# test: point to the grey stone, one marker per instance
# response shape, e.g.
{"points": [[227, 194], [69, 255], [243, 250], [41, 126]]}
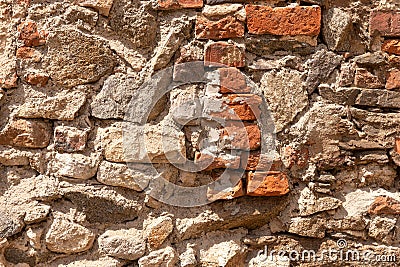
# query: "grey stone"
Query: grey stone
{"points": [[310, 227], [310, 204], [124, 244], [379, 98], [76, 166], [337, 25], [341, 95]]}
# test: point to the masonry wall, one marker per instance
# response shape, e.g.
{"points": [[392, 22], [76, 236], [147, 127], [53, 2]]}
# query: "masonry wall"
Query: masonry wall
{"points": [[190, 133]]}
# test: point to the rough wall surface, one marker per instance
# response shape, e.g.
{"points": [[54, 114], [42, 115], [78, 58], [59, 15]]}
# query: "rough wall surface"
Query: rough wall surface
{"points": [[108, 108]]}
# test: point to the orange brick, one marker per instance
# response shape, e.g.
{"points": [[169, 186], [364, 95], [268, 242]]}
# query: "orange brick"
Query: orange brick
{"points": [[222, 54], [258, 161], [384, 205], [232, 81], [393, 80], [37, 79], [227, 27], [241, 136], [391, 46], [243, 107], [284, 20], [29, 34], [397, 145], [216, 162], [267, 184]]}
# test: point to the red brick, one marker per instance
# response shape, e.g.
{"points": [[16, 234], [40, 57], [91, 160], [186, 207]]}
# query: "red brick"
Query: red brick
{"points": [[29, 34], [37, 79], [245, 136], [232, 81], [391, 46], [384, 205], [26, 133], [296, 157], [10, 81], [179, 4], [25, 52], [267, 184], [209, 162], [393, 79], [227, 27], [397, 145], [284, 20], [243, 107], [366, 79], [387, 23], [261, 162], [222, 54]]}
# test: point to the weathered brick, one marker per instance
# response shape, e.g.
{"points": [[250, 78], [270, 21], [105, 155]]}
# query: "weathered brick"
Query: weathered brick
{"points": [[69, 139], [29, 34], [243, 107], [25, 52], [261, 162], [236, 135], [387, 23], [365, 79], [384, 205], [222, 54], [391, 46], [38, 79], [284, 20], [179, 4], [26, 133], [227, 27], [267, 184], [393, 79], [296, 157], [10, 81], [209, 162], [232, 81], [397, 145]]}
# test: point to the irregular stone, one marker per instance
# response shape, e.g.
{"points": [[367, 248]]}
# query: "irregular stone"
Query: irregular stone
{"points": [[26, 133], [391, 46], [228, 186], [267, 184], [381, 229], [365, 79], [309, 227], [74, 58], [178, 4], [385, 22], [158, 230], [285, 95], [232, 81], [132, 176], [10, 224], [269, 261], [69, 139], [9, 81], [185, 105], [227, 27], [384, 205], [223, 251], [76, 166], [68, 237], [310, 204], [37, 79], [35, 235], [378, 98], [291, 20], [371, 59], [320, 66], [11, 156], [374, 156], [25, 52], [337, 25], [188, 257], [100, 262], [103, 204], [37, 214], [222, 54], [135, 20], [103, 6], [346, 76], [63, 106], [124, 244], [217, 2], [340, 95], [29, 35], [167, 257], [393, 80]]}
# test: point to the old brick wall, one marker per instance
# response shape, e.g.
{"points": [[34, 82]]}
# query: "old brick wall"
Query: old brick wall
{"points": [[190, 133]]}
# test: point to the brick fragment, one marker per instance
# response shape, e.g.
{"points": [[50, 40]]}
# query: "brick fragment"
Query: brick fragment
{"points": [[384, 205], [25, 52], [9, 81], [210, 162], [29, 34], [222, 54], [245, 136], [391, 46], [365, 79], [69, 139], [232, 81], [37, 79], [397, 145], [261, 162], [267, 184], [393, 79], [179, 4], [387, 23], [227, 27], [102, 6], [26, 133], [292, 21]]}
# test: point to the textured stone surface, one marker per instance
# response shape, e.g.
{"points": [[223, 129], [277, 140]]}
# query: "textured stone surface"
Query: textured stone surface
{"points": [[391, 46], [158, 230], [224, 54], [178, 4], [337, 25], [125, 244], [68, 237], [163, 257], [103, 6], [69, 139], [291, 20], [384, 205], [386, 22], [227, 27], [76, 166]]}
